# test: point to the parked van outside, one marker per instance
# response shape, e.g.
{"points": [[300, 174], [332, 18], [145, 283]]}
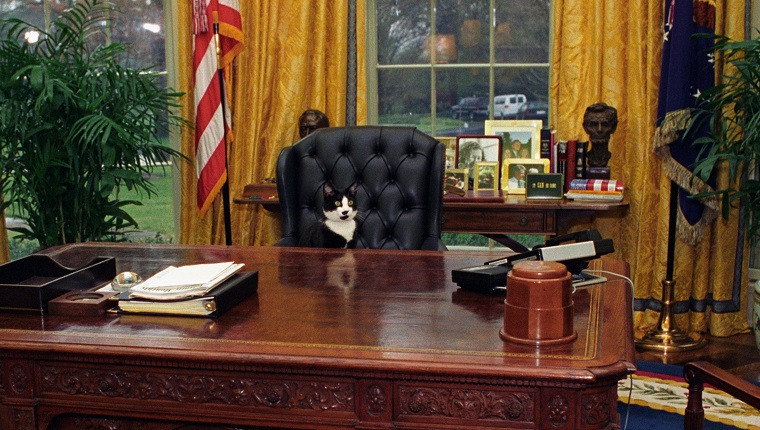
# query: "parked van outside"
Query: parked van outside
{"points": [[506, 106]]}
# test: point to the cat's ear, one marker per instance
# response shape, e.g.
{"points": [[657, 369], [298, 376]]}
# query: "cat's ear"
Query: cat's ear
{"points": [[352, 188], [329, 189]]}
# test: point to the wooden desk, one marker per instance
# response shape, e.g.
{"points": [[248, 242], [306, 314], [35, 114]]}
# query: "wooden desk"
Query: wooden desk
{"points": [[352, 339], [492, 215]]}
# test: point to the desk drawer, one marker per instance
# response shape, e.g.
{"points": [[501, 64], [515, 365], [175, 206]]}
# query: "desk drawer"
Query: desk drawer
{"points": [[499, 221]]}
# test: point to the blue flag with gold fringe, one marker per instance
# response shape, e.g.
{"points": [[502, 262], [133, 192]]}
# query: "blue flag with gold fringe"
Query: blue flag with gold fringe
{"points": [[688, 68]]}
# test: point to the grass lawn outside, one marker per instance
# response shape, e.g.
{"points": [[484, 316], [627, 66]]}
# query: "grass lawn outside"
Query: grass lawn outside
{"points": [[155, 217]]}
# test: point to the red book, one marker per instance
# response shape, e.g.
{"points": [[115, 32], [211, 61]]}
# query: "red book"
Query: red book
{"points": [[571, 158], [597, 185]]}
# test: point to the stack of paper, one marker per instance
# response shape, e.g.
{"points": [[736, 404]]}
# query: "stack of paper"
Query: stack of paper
{"points": [[183, 282]]}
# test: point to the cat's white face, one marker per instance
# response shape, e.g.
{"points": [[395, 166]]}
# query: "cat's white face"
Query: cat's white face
{"points": [[344, 210]]}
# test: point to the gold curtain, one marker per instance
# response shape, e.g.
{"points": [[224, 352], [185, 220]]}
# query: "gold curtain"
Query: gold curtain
{"points": [[295, 58], [617, 61]]}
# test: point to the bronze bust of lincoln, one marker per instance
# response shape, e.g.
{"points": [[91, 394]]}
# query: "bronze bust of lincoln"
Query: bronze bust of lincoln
{"points": [[599, 121]]}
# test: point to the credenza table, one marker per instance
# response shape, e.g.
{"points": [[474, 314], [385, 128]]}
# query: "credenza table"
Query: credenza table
{"points": [[493, 214], [333, 339]]}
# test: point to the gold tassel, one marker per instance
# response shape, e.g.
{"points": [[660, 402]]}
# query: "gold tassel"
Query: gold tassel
{"points": [[666, 134]]}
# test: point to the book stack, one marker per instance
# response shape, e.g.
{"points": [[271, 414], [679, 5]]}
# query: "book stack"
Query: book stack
{"points": [[610, 190]]}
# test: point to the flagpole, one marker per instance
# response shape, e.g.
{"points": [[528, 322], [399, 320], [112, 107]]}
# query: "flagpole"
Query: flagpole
{"points": [[222, 94], [666, 336]]}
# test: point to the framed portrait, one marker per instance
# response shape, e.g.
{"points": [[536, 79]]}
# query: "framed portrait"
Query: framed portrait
{"points": [[514, 172], [486, 176], [457, 177], [520, 138], [451, 150], [472, 149]]}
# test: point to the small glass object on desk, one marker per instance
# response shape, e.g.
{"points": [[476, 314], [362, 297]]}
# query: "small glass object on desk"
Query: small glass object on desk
{"points": [[124, 281]]}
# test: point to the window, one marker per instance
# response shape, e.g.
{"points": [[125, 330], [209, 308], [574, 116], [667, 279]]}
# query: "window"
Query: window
{"points": [[440, 64], [140, 25]]}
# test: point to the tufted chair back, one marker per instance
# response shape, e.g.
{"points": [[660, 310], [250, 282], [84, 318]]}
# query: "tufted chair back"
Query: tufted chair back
{"points": [[399, 171]]}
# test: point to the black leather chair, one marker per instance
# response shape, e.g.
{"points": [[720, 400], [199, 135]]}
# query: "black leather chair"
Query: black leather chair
{"points": [[400, 175]]}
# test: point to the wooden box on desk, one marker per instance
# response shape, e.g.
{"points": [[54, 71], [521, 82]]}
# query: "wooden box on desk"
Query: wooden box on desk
{"points": [[261, 191], [27, 284]]}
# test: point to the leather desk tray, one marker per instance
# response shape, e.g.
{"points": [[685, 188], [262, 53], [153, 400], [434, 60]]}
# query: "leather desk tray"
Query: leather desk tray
{"points": [[27, 284]]}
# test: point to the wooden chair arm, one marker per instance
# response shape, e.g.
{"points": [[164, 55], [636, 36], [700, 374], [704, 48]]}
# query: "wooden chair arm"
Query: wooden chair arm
{"points": [[699, 373]]}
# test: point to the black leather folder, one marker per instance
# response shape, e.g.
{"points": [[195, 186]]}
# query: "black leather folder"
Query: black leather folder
{"points": [[216, 302]]}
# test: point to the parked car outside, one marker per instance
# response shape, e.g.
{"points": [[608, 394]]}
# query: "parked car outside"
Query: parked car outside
{"points": [[506, 106], [534, 110], [470, 108]]}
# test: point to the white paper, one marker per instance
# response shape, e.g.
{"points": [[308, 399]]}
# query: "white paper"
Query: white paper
{"points": [[185, 281]]}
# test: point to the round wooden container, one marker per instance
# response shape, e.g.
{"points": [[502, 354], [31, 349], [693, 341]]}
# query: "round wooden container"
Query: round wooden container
{"points": [[538, 309]]}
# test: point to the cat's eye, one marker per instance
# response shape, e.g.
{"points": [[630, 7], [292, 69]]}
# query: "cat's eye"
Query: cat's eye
{"points": [[350, 202], [337, 203]]}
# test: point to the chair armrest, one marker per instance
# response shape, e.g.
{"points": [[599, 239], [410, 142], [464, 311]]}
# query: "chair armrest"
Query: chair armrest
{"points": [[699, 373]]}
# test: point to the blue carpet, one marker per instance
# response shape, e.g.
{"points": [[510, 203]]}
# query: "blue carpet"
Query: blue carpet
{"points": [[665, 369]]}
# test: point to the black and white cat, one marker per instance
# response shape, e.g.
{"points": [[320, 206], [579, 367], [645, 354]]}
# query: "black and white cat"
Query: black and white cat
{"points": [[338, 227]]}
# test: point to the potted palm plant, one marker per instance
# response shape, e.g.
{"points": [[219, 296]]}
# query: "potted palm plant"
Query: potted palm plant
{"points": [[77, 124], [731, 113]]}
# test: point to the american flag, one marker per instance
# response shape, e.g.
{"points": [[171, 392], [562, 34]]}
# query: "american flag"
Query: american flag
{"points": [[212, 120]]}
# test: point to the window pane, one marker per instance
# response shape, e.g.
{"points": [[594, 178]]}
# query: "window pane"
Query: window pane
{"points": [[402, 28], [465, 26], [531, 81], [140, 24], [404, 98], [521, 88], [31, 11], [522, 31], [462, 101]]}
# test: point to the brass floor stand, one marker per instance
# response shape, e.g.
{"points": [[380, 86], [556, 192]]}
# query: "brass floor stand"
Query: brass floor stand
{"points": [[666, 337]]}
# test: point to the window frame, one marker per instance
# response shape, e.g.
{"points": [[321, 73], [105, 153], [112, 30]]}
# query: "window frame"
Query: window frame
{"points": [[373, 68]]}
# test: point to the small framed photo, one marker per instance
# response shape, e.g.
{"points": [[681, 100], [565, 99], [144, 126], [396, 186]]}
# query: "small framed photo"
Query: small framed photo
{"points": [[515, 170], [520, 138], [451, 150], [459, 178], [472, 149], [486, 176]]}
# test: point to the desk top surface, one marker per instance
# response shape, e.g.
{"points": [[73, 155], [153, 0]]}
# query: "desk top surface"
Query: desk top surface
{"points": [[349, 309]]}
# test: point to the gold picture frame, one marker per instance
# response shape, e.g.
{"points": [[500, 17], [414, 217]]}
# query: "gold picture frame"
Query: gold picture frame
{"points": [[527, 132], [450, 142], [486, 176], [514, 172], [459, 178]]}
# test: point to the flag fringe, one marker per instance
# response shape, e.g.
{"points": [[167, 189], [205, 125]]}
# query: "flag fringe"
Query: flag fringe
{"points": [[704, 13], [667, 133], [212, 195]]}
